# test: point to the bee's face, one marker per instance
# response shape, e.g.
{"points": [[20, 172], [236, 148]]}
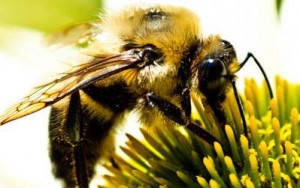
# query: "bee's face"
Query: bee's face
{"points": [[214, 67], [168, 31], [173, 35]]}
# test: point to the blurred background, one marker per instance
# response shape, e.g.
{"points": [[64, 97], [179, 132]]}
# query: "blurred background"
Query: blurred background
{"points": [[269, 29], [47, 15], [24, 61]]}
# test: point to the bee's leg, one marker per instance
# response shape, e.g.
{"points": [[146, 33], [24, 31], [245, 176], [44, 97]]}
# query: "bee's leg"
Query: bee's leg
{"points": [[180, 116], [215, 103], [186, 102], [66, 147]]}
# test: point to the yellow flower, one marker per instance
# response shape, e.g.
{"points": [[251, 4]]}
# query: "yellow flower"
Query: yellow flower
{"points": [[267, 157]]}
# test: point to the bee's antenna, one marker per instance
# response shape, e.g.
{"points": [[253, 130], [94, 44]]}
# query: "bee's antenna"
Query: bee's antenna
{"points": [[261, 69], [237, 97], [239, 103]]}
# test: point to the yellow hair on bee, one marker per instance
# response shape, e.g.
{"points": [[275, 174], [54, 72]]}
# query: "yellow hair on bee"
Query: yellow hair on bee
{"points": [[95, 109]]}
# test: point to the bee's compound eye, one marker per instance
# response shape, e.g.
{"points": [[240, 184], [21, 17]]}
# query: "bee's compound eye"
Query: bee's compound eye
{"points": [[213, 68], [212, 75]]}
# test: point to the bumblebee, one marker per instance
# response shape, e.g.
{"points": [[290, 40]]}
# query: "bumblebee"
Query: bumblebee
{"points": [[144, 59]]}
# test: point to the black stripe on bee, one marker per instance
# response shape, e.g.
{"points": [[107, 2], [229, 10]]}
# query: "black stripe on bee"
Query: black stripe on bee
{"points": [[116, 97]]}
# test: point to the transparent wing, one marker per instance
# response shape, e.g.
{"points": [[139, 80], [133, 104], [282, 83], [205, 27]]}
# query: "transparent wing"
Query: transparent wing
{"points": [[75, 34], [71, 81]]}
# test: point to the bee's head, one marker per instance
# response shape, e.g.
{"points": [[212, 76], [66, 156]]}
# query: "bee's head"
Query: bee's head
{"points": [[163, 34], [216, 67]]}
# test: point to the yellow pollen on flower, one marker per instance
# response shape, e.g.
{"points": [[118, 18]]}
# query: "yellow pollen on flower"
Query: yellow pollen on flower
{"points": [[232, 142], [254, 170], [254, 131], [265, 162], [276, 172], [289, 158], [274, 108], [214, 184], [295, 127], [229, 164], [219, 150], [209, 164], [235, 181], [249, 108], [249, 184], [202, 182], [276, 129]]}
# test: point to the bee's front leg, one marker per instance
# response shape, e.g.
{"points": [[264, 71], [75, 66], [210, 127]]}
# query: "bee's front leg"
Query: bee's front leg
{"points": [[66, 135], [180, 115]]}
